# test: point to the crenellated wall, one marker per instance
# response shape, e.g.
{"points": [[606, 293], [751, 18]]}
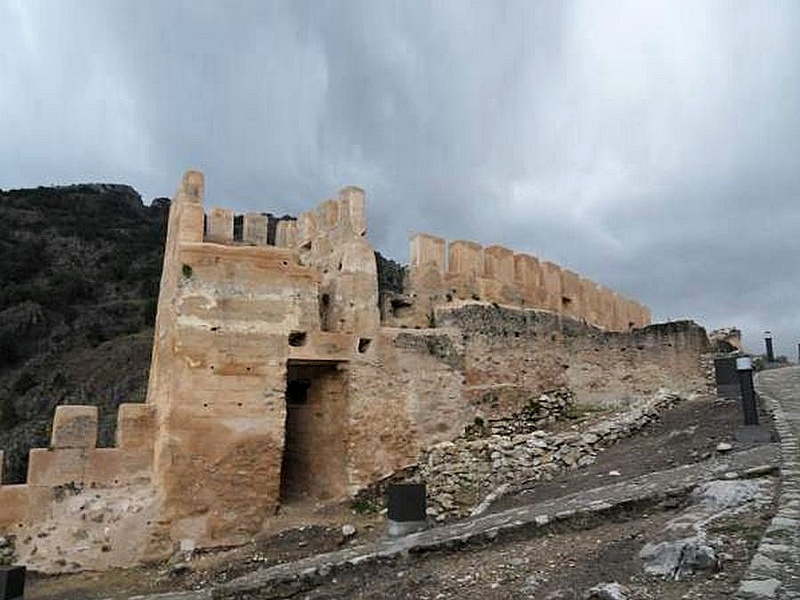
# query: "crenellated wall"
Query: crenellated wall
{"points": [[442, 273], [70, 476], [275, 377]]}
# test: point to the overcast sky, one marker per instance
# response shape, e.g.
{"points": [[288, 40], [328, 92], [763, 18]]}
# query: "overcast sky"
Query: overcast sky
{"points": [[651, 146]]}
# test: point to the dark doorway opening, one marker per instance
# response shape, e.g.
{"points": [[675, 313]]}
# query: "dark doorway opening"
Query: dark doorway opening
{"points": [[313, 464]]}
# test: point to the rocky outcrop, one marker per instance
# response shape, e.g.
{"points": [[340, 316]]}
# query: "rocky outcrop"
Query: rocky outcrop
{"points": [[79, 281]]}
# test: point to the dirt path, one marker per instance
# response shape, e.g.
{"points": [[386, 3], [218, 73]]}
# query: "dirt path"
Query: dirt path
{"points": [[556, 563]]}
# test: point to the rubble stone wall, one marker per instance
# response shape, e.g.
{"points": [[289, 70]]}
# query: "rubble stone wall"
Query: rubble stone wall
{"points": [[513, 355], [460, 473]]}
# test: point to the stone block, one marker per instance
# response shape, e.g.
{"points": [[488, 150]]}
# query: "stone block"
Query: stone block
{"points": [[590, 301], [327, 215], [286, 234], [570, 293], [498, 264], [254, 229], [528, 277], [306, 229], [427, 251], [74, 427], [113, 466], [193, 186], [190, 222], [136, 426], [551, 278], [23, 503], [351, 210], [219, 225], [465, 259], [57, 466], [16, 505]]}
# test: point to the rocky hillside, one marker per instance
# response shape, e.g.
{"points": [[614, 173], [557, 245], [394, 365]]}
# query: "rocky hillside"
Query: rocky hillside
{"points": [[79, 275]]}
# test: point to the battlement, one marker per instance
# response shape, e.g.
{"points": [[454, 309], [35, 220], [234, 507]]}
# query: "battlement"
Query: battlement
{"points": [[72, 459], [440, 272], [275, 377]]}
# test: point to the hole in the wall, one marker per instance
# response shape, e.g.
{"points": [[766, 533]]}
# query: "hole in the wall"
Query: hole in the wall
{"points": [[238, 228], [363, 345], [298, 338], [324, 312], [186, 270], [400, 307], [285, 263], [215, 328], [306, 246], [566, 300]]}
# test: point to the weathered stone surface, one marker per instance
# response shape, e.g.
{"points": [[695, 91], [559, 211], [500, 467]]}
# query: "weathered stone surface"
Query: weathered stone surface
{"points": [[273, 376]]}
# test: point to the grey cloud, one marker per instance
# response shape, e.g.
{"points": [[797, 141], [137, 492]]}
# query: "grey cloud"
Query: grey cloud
{"points": [[650, 146]]}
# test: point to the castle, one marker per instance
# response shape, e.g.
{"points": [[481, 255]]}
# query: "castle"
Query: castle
{"points": [[281, 370]]}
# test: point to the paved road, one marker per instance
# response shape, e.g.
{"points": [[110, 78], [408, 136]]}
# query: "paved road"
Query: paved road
{"points": [[775, 569]]}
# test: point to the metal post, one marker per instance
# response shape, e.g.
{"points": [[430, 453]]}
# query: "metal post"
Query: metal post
{"points": [[744, 366], [768, 341]]}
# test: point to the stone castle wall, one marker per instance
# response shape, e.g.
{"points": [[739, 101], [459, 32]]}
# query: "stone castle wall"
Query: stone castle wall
{"points": [[442, 272], [276, 376], [71, 477]]}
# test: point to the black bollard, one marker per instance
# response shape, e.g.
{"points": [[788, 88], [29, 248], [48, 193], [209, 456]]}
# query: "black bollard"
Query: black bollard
{"points": [[744, 366], [12, 583], [407, 508], [768, 342]]}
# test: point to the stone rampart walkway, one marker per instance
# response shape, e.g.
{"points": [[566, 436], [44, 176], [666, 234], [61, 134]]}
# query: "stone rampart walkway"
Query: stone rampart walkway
{"points": [[775, 569]]}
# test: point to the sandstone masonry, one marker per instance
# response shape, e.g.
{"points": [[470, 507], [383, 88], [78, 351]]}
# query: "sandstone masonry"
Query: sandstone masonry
{"points": [[282, 372]]}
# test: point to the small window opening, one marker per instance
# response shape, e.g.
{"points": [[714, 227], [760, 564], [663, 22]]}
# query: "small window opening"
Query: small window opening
{"points": [[298, 338], [324, 311], [363, 345]]}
